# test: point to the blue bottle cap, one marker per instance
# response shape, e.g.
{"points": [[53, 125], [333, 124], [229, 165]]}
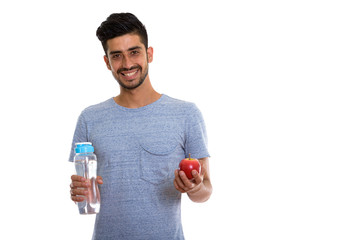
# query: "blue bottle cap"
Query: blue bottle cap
{"points": [[84, 147]]}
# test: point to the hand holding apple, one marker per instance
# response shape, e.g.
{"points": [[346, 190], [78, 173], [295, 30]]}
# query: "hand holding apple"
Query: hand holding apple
{"points": [[189, 164], [198, 188]]}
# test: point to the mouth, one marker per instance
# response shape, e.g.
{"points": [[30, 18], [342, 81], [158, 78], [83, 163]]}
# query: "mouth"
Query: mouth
{"points": [[129, 73]]}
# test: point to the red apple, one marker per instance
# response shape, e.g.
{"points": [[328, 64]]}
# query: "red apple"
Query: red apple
{"points": [[189, 164]]}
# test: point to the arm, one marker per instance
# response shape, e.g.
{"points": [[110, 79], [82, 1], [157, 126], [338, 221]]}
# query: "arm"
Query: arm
{"points": [[198, 190]]}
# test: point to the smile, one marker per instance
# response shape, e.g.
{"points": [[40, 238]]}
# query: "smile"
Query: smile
{"points": [[130, 74]]}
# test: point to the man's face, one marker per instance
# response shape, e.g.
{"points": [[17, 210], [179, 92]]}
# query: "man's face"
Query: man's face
{"points": [[128, 60]]}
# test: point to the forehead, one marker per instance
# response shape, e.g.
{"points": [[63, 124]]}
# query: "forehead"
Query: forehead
{"points": [[125, 42]]}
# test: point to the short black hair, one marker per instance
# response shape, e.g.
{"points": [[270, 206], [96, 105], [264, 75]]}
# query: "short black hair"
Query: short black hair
{"points": [[119, 24]]}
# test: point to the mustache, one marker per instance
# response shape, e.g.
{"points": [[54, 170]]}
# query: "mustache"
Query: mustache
{"points": [[128, 69]]}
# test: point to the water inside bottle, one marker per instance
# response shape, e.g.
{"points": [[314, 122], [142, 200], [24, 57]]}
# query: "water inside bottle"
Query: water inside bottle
{"points": [[92, 202]]}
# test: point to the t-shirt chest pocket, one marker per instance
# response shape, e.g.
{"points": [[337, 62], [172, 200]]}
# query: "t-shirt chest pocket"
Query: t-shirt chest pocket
{"points": [[159, 158]]}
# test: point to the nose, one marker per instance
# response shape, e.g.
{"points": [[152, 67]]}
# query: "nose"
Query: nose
{"points": [[126, 63]]}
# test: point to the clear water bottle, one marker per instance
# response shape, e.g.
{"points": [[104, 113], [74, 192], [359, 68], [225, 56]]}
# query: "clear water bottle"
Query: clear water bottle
{"points": [[86, 165]]}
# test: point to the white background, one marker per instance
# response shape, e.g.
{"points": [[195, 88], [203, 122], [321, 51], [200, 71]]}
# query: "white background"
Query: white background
{"points": [[276, 81]]}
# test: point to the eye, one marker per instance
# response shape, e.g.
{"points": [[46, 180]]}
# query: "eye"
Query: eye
{"points": [[134, 52], [115, 56]]}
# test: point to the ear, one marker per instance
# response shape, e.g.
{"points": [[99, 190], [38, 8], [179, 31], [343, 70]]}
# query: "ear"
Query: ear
{"points": [[150, 52], [106, 59]]}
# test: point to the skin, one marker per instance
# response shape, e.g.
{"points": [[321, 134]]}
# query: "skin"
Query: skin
{"points": [[128, 61], [198, 190]]}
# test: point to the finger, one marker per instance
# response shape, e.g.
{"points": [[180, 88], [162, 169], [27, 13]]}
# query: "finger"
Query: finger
{"points": [[197, 177], [76, 195], [78, 191], [187, 183], [178, 188], [80, 184], [178, 180], [77, 198], [77, 178]]}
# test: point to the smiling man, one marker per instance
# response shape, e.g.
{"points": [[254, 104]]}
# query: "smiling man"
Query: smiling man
{"points": [[140, 136], [125, 63]]}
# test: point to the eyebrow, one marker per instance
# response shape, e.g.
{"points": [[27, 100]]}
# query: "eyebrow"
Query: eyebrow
{"points": [[130, 49]]}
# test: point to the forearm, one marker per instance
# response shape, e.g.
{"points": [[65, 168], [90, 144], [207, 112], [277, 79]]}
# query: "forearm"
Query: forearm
{"points": [[201, 193]]}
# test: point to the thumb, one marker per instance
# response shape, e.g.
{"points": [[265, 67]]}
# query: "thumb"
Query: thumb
{"points": [[99, 180], [197, 177]]}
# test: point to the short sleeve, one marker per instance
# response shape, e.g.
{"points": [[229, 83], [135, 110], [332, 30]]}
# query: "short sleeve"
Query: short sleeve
{"points": [[196, 135], [80, 135]]}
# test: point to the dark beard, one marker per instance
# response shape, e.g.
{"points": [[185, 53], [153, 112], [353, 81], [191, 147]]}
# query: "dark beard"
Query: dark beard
{"points": [[142, 79]]}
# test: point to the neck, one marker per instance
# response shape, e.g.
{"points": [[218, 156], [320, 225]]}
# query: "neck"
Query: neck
{"points": [[138, 97]]}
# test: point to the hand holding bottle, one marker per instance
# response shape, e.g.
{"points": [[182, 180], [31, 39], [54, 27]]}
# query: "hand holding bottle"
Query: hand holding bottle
{"points": [[84, 186], [80, 187]]}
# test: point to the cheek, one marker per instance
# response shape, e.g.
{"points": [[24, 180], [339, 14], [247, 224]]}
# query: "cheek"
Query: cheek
{"points": [[113, 66]]}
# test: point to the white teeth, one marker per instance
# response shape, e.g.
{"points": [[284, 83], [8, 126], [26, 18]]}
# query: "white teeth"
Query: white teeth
{"points": [[130, 74]]}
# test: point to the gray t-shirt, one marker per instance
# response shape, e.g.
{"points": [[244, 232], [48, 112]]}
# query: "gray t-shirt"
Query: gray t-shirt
{"points": [[138, 151]]}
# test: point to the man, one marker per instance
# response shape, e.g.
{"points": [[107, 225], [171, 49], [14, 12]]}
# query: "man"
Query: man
{"points": [[140, 136]]}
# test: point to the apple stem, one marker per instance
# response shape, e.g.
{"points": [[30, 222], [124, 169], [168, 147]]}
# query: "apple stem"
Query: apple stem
{"points": [[189, 157]]}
